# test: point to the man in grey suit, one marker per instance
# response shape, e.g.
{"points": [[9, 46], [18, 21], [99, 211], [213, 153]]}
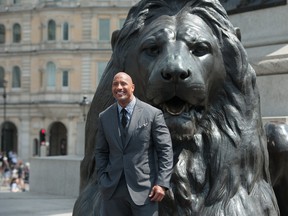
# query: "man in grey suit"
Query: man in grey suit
{"points": [[134, 157]]}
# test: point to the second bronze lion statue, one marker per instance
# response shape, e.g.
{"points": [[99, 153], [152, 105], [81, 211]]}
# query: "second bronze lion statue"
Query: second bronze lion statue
{"points": [[185, 58]]}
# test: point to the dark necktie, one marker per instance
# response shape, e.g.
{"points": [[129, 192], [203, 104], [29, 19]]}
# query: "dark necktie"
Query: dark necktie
{"points": [[124, 118]]}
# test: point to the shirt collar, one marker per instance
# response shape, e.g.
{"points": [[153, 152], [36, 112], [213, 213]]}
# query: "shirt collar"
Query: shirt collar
{"points": [[129, 108]]}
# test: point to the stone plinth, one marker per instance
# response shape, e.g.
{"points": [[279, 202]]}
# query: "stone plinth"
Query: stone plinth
{"points": [[59, 175]]}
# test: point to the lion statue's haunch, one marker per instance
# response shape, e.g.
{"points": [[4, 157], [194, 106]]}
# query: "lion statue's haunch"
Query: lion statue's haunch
{"points": [[185, 58], [277, 140]]}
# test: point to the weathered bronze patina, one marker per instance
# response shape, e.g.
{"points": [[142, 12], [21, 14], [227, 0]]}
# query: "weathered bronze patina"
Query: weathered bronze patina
{"points": [[186, 58]]}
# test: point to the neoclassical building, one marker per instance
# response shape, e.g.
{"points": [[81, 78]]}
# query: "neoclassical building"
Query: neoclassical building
{"points": [[52, 55]]}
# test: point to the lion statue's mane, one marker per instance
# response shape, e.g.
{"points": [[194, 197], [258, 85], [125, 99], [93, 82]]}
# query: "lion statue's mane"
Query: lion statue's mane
{"points": [[222, 167]]}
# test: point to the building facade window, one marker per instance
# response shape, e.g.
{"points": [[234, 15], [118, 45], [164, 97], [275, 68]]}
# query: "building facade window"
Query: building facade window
{"points": [[16, 77], [65, 31], [16, 33], [2, 76], [65, 78], [104, 29], [51, 74], [2, 34], [51, 30], [101, 68]]}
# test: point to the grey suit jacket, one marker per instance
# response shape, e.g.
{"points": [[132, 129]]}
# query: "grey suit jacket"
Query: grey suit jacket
{"points": [[146, 156]]}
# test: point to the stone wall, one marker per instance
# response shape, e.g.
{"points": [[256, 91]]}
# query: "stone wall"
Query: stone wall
{"points": [[59, 175]]}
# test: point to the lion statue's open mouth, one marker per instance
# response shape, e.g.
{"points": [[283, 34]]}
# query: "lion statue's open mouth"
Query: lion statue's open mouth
{"points": [[181, 118], [176, 107]]}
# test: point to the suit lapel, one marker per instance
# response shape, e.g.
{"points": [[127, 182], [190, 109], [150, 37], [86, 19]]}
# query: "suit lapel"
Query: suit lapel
{"points": [[133, 122]]}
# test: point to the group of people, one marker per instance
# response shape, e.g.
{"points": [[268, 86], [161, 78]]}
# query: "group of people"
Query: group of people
{"points": [[13, 172]]}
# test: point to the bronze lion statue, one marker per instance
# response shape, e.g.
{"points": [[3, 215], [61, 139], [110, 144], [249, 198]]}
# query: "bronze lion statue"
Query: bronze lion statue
{"points": [[186, 59]]}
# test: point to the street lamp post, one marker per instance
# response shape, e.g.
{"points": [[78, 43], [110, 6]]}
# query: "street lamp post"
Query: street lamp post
{"points": [[4, 83], [4, 98], [84, 104]]}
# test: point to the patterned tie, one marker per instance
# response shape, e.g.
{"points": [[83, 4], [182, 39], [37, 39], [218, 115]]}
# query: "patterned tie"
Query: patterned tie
{"points": [[124, 117]]}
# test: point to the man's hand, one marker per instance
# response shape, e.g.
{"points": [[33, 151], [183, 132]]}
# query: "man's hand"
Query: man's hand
{"points": [[157, 193]]}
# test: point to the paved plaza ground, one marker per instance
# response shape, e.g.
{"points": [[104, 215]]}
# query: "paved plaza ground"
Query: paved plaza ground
{"points": [[34, 204]]}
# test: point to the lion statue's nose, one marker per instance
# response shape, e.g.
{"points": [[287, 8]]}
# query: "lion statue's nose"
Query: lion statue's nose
{"points": [[175, 75], [176, 68]]}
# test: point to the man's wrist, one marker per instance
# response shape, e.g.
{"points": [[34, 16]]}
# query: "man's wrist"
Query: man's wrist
{"points": [[164, 188]]}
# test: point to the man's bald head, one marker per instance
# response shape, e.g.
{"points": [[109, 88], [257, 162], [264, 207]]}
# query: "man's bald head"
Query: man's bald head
{"points": [[123, 88]]}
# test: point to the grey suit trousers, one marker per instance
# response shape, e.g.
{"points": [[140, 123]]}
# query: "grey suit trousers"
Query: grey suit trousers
{"points": [[121, 204]]}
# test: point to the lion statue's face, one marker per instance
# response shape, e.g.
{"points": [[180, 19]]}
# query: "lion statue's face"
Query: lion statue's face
{"points": [[180, 61]]}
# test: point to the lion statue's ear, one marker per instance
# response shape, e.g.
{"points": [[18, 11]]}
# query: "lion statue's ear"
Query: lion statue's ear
{"points": [[115, 35], [238, 33]]}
